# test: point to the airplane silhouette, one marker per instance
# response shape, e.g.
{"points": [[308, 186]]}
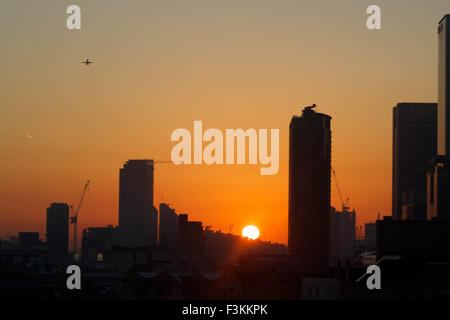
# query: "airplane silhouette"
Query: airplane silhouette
{"points": [[87, 62]]}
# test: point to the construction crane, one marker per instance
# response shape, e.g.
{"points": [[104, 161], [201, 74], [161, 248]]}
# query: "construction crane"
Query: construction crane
{"points": [[162, 161], [345, 206], [74, 221]]}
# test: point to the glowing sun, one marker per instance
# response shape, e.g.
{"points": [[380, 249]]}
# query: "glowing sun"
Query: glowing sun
{"points": [[250, 232]]}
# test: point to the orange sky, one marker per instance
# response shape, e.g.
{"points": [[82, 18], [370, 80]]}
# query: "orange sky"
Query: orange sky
{"points": [[160, 65]]}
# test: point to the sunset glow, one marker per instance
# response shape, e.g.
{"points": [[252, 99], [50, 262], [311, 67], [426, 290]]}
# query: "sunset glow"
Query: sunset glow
{"points": [[82, 122], [250, 232]]}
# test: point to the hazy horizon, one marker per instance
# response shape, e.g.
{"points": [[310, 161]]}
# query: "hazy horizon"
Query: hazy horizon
{"points": [[232, 64]]}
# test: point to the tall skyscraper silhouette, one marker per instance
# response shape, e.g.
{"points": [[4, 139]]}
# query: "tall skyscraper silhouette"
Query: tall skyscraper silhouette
{"points": [[57, 232], [438, 193], [413, 147], [444, 85], [309, 189], [138, 218]]}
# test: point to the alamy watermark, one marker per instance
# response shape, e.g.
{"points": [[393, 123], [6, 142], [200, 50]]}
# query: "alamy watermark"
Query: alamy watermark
{"points": [[73, 21], [74, 280], [373, 22], [214, 152]]}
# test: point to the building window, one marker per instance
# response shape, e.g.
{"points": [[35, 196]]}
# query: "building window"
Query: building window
{"points": [[100, 257]]}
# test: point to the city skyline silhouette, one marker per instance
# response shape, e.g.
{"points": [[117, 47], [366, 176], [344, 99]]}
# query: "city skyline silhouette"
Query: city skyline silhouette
{"points": [[319, 128]]}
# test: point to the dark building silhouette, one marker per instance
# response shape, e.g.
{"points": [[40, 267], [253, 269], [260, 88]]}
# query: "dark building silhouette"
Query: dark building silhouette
{"points": [[168, 227], [414, 145], [413, 205], [427, 240], [438, 177], [370, 236], [342, 236], [309, 189], [95, 243], [190, 234], [444, 85], [138, 218], [57, 232], [29, 238], [438, 197]]}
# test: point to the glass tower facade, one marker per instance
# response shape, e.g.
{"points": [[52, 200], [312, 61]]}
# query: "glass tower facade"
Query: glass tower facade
{"points": [[413, 147]]}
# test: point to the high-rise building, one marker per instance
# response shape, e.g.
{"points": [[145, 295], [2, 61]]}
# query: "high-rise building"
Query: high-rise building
{"points": [[370, 236], [309, 189], [168, 227], [438, 188], [444, 85], [190, 234], [413, 147], [342, 236], [138, 218], [57, 232]]}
